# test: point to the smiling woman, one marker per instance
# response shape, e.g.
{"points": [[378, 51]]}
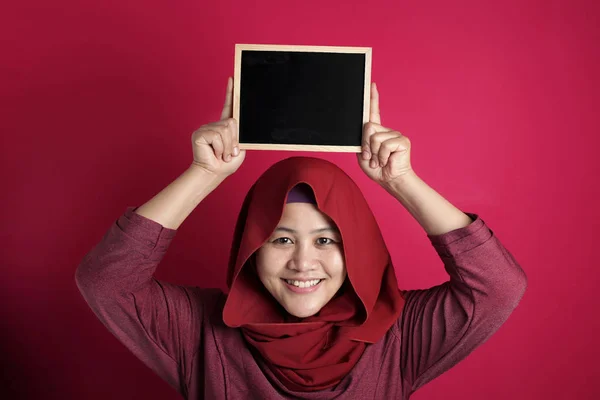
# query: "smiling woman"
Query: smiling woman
{"points": [[305, 220], [313, 309]]}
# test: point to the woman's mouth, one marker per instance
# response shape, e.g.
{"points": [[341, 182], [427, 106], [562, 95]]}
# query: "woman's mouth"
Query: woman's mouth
{"points": [[302, 286]]}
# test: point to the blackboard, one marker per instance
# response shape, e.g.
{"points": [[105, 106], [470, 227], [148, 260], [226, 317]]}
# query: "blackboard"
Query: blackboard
{"points": [[311, 98]]}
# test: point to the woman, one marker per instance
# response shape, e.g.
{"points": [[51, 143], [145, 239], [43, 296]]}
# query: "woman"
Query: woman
{"points": [[313, 309]]}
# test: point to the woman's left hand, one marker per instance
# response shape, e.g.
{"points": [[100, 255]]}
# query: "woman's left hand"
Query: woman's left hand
{"points": [[385, 152]]}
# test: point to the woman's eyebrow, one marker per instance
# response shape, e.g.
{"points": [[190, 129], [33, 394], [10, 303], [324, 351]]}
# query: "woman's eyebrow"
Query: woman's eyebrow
{"points": [[320, 230]]}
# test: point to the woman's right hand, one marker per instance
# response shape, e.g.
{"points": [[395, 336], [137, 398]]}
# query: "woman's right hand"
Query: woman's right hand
{"points": [[215, 145]]}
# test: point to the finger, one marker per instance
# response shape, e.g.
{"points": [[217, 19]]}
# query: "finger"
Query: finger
{"points": [[228, 106], [230, 127], [235, 137], [227, 138], [213, 138], [393, 145], [369, 130], [374, 115], [222, 122], [375, 142]]}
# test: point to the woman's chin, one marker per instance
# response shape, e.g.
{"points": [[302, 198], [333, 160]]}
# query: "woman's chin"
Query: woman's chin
{"points": [[302, 312]]}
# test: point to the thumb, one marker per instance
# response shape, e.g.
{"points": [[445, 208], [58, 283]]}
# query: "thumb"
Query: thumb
{"points": [[228, 106]]}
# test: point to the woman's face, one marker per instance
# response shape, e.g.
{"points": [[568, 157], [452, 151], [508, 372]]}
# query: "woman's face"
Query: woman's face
{"points": [[302, 263]]}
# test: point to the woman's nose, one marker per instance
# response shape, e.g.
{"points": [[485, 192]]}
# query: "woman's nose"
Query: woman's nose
{"points": [[303, 259]]}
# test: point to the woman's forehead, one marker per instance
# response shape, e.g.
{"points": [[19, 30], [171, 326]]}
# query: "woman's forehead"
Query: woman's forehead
{"points": [[305, 215]]}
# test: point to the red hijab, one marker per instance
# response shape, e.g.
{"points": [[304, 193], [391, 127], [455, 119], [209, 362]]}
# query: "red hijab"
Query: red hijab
{"points": [[313, 353]]}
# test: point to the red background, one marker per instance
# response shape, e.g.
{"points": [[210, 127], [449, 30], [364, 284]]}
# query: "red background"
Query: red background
{"points": [[99, 100]]}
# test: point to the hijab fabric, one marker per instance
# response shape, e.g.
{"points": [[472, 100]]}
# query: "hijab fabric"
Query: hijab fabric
{"points": [[313, 353]]}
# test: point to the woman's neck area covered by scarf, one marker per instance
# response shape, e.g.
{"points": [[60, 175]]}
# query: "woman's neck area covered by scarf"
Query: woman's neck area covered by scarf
{"points": [[313, 353]]}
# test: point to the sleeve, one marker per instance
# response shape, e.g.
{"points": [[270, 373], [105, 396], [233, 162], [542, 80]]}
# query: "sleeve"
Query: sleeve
{"points": [[442, 325], [159, 322]]}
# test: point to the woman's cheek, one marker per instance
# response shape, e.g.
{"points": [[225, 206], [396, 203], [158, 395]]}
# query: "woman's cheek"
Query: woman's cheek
{"points": [[336, 264], [269, 263]]}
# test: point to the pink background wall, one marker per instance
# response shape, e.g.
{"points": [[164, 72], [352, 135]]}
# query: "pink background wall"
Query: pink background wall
{"points": [[99, 100]]}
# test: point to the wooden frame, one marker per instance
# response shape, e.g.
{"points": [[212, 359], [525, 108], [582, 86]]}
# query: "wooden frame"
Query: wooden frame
{"points": [[367, 51]]}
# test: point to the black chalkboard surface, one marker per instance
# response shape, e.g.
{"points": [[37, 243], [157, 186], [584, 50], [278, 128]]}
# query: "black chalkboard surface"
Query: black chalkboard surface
{"points": [[311, 98]]}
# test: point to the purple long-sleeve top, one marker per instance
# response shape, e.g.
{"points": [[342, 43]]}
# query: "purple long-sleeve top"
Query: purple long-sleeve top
{"points": [[178, 331]]}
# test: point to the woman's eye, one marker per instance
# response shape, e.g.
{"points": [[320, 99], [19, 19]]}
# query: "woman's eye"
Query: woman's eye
{"points": [[324, 241], [283, 240]]}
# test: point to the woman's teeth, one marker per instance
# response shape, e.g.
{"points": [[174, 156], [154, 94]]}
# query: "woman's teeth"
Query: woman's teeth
{"points": [[302, 284]]}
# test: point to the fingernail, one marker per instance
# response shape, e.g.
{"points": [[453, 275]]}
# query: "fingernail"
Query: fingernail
{"points": [[373, 163], [236, 151], [365, 155], [228, 157]]}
